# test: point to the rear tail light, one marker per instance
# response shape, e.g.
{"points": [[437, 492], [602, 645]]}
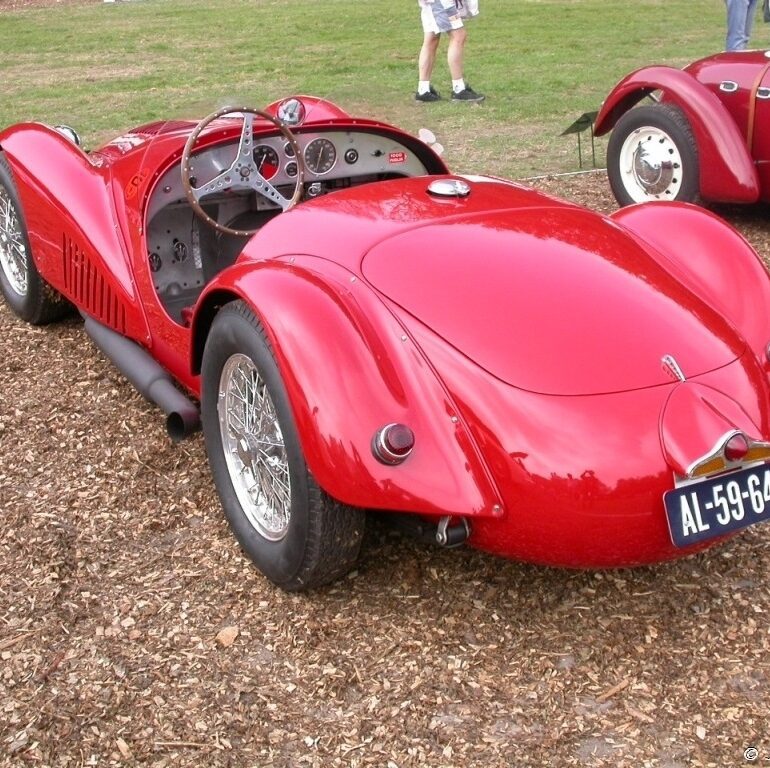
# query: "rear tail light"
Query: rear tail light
{"points": [[736, 447], [392, 443]]}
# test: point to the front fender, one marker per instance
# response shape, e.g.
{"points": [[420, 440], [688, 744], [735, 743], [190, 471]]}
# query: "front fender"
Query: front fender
{"points": [[712, 259], [70, 213], [350, 368], [727, 171]]}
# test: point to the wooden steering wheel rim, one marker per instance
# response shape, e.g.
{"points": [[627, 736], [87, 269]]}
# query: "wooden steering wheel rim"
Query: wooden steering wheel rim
{"points": [[190, 145]]}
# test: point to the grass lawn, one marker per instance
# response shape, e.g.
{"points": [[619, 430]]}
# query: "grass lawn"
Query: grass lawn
{"points": [[104, 67]]}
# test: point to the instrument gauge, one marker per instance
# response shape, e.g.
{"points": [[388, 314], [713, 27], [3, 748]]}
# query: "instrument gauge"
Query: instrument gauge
{"points": [[267, 160], [320, 156]]}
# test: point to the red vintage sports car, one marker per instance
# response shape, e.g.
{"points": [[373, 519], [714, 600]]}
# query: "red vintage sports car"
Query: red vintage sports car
{"points": [[366, 331], [706, 136]]}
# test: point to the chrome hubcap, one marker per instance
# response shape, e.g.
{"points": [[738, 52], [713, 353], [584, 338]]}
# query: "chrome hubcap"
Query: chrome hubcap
{"points": [[13, 252], [651, 165], [254, 448]]}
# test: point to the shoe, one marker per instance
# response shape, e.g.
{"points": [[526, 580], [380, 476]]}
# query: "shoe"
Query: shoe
{"points": [[468, 94], [431, 95]]}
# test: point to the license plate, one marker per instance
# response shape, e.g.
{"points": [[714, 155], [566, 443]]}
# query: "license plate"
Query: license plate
{"points": [[715, 506]]}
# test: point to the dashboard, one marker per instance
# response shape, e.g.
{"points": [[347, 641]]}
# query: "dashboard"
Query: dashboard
{"points": [[334, 155], [333, 160]]}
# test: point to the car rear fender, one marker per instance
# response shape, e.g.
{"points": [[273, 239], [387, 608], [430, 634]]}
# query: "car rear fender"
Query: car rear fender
{"points": [[69, 209], [727, 171], [709, 257], [350, 368]]}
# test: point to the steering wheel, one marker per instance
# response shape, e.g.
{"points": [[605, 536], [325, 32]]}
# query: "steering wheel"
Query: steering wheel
{"points": [[243, 173]]}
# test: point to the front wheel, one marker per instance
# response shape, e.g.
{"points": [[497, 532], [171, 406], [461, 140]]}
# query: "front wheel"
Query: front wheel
{"points": [[24, 290], [296, 534], [652, 155]]}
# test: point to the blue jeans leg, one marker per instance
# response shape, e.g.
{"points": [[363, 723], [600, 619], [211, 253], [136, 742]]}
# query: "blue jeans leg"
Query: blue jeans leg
{"points": [[740, 20]]}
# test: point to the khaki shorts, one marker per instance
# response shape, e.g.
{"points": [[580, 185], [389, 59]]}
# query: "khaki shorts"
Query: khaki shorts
{"points": [[442, 16]]}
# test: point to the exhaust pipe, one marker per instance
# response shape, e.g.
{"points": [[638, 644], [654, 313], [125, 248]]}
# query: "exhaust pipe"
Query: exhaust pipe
{"points": [[148, 377]]}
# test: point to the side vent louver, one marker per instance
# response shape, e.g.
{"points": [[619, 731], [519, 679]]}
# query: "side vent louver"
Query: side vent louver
{"points": [[87, 286]]}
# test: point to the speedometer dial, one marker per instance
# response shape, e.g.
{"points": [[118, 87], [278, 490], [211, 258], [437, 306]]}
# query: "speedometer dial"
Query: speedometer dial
{"points": [[320, 156], [267, 160]]}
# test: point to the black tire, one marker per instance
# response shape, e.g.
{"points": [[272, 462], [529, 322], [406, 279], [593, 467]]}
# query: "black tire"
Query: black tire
{"points": [[24, 290], [652, 155], [321, 539]]}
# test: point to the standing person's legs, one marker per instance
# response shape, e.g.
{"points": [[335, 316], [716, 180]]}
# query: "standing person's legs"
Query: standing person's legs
{"points": [[751, 12], [454, 54], [461, 91], [431, 37], [437, 17], [428, 55], [740, 17]]}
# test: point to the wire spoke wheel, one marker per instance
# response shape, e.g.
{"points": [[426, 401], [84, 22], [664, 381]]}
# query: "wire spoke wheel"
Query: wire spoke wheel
{"points": [[296, 534], [254, 448], [13, 251]]}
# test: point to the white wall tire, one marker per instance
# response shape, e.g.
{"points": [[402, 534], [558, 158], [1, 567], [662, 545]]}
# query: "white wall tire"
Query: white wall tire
{"points": [[652, 155]]}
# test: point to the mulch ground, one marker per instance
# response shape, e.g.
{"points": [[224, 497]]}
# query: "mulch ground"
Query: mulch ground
{"points": [[133, 631]]}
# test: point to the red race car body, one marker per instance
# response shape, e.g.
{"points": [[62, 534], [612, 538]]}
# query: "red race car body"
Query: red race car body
{"points": [[705, 137], [364, 330]]}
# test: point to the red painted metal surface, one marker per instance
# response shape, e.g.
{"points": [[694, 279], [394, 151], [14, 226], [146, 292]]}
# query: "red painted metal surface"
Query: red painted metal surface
{"points": [[519, 337], [582, 478], [532, 268], [715, 262], [694, 419], [745, 69], [727, 171], [350, 368], [748, 105], [69, 210]]}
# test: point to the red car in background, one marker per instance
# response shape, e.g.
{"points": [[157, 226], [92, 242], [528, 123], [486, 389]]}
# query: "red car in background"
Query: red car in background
{"points": [[706, 136], [358, 329]]}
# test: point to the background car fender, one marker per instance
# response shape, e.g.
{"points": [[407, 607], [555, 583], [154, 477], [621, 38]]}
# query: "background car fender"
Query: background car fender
{"points": [[350, 368], [727, 171], [712, 259]]}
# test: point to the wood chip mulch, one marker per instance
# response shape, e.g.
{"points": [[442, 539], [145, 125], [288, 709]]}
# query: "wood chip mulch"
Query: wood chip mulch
{"points": [[133, 631]]}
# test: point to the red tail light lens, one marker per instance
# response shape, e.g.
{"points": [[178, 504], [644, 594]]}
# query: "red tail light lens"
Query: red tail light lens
{"points": [[736, 447], [393, 443]]}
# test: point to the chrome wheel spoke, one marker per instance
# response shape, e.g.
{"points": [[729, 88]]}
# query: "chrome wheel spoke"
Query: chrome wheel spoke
{"points": [[254, 448], [13, 252], [275, 482]]}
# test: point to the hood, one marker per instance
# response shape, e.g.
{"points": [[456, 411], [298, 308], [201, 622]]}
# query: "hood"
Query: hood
{"points": [[552, 300]]}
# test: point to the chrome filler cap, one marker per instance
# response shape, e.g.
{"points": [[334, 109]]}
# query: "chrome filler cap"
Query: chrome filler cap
{"points": [[449, 188]]}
